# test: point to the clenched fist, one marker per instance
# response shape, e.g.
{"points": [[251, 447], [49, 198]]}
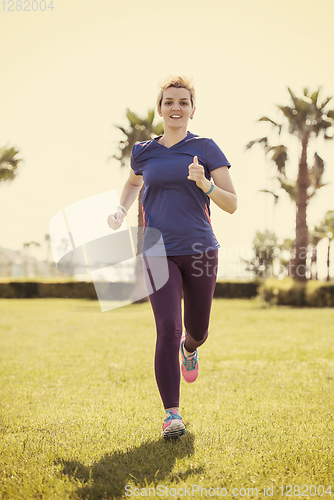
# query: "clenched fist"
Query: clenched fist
{"points": [[196, 173], [116, 220]]}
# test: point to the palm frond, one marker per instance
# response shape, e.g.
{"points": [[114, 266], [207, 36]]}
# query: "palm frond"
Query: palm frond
{"points": [[289, 187], [279, 156], [140, 129], [315, 189], [133, 118], [276, 197], [150, 116], [122, 129], [267, 119], [293, 96], [8, 163], [262, 140], [324, 104], [288, 112], [314, 97], [318, 167]]}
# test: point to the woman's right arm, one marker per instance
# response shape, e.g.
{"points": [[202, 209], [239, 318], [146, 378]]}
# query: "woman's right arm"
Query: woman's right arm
{"points": [[131, 189], [129, 194]]}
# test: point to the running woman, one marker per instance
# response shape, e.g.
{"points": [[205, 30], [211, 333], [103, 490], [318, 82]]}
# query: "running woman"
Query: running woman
{"points": [[181, 172]]}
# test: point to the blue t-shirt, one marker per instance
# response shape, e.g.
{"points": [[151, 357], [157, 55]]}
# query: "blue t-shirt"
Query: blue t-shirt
{"points": [[172, 203]]}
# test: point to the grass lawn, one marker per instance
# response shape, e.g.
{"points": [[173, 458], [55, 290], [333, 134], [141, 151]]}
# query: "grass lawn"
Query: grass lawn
{"points": [[81, 417]]}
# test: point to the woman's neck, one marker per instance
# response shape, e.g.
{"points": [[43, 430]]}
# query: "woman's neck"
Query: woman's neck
{"points": [[171, 137]]}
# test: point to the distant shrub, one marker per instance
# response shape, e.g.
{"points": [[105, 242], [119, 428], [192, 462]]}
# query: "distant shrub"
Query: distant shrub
{"points": [[273, 291], [236, 290], [86, 290], [68, 290], [323, 296], [290, 293]]}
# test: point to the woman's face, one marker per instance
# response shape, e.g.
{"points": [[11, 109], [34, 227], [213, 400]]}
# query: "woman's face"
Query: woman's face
{"points": [[176, 107]]}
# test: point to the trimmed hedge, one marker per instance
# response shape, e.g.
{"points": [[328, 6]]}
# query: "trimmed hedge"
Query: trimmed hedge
{"points": [[322, 297], [290, 293], [67, 290], [237, 290], [273, 292], [84, 290]]}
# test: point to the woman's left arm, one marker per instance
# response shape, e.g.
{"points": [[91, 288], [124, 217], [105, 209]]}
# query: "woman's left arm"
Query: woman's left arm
{"points": [[223, 193]]}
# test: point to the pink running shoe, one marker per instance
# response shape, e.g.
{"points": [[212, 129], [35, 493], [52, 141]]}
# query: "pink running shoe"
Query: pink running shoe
{"points": [[173, 425], [189, 365]]}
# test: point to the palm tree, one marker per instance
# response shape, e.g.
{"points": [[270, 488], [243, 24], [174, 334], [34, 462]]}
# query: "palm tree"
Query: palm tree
{"points": [[8, 163], [265, 249], [49, 264], [315, 236], [326, 229], [140, 129], [306, 119], [8, 167], [271, 255], [28, 256], [286, 252]]}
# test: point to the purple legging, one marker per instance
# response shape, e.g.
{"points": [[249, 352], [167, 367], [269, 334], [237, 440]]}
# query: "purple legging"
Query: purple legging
{"points": [[196, 276]]}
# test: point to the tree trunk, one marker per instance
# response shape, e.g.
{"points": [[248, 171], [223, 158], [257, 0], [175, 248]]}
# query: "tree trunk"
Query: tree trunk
{"points": [[314, 262], [328, 259], [301, 242]]}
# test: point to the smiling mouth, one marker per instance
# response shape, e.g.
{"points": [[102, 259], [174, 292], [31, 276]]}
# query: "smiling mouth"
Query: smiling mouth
{"points": [[175, 117]]}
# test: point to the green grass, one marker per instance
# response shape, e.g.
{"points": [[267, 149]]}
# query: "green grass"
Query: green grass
{"points": [[81, 417]]}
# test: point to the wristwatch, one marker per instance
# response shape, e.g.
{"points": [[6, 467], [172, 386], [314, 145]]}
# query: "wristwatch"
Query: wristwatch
{"points": [[211, 188], [124, 210]]}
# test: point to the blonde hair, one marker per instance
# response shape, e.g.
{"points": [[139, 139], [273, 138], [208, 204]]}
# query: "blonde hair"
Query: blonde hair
{"points": [[180, 82]]}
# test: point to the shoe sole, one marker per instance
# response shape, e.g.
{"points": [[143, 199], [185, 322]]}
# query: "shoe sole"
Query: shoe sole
{"points": [[175, 429], [183, 370], [189, 381]]}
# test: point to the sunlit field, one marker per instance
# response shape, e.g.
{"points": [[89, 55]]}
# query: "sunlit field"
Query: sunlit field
{"points": [[81, 416]]}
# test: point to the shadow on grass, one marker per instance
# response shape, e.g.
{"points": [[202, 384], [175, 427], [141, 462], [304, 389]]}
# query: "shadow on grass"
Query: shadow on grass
{"points": [[145, 466]]}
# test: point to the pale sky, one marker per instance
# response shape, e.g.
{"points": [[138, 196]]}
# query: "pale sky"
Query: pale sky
{"points": [[68, 75]]}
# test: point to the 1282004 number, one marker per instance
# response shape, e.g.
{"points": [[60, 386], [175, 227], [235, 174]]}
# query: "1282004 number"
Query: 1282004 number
{"points": [[305, 490], [24, 5]]}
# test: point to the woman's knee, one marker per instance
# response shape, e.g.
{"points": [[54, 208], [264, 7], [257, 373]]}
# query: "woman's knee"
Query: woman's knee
{"points": [[198, 335], [169, 328]]}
